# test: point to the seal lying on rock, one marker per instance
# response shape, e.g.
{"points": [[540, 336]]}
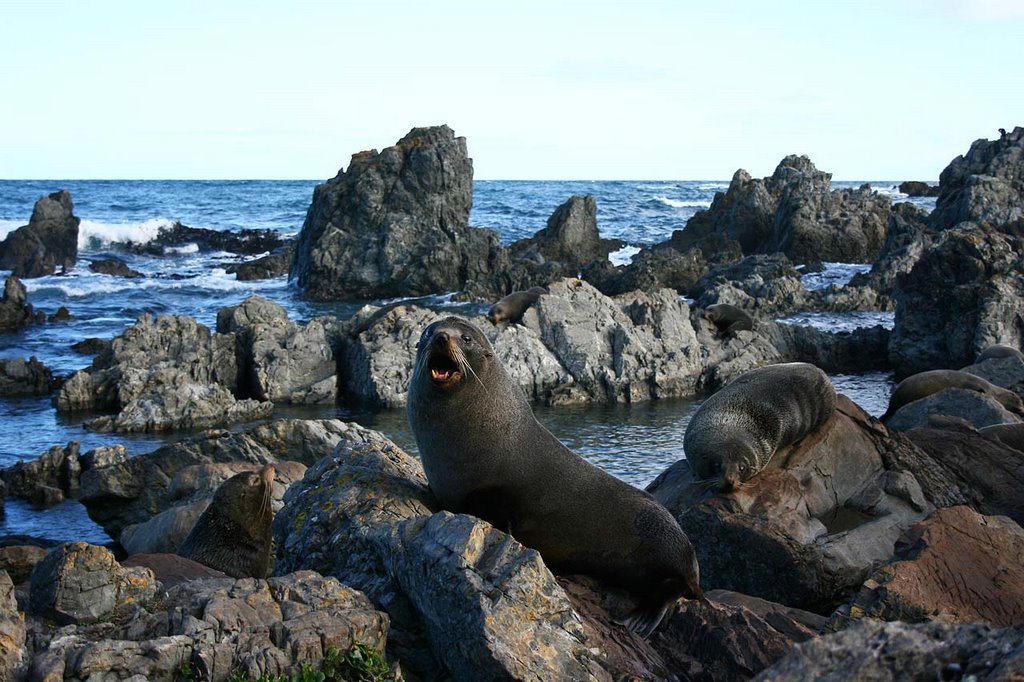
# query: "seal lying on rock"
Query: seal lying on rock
{"points": [[728, 319], [511, 308], [735, 432], [999, 351], [924, 384], [234, 535], [485, 454]]}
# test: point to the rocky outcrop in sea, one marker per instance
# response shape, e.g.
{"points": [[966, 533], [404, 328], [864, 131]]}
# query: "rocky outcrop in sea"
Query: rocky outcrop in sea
{"points": [[47, 244]]}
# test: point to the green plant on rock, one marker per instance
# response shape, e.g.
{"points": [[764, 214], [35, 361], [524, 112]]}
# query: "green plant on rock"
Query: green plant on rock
{"points": [[361, 663]]}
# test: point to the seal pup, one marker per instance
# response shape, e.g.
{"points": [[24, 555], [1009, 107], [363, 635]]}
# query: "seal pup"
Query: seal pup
{"points": [[234, 535], [998, 351], [511, 308], [728, 319], [485, 454], [734, 433], [924, 384]]}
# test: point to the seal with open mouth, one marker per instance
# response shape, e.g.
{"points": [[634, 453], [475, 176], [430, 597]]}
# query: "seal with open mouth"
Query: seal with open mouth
{"points": [[485, 454]]}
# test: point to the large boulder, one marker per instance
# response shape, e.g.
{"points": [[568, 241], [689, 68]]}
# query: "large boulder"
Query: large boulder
{"points": [[469, 602], [15, 310], [956, 566], [891, 652], [973, 407], [962, 296], [14, 657], [570, 238], [46, 480], [25, 377], [795, 212], [218, 629], [49, 242], [396, 223], [650, 270], [808, 529], [984, 186], [907, 237]]}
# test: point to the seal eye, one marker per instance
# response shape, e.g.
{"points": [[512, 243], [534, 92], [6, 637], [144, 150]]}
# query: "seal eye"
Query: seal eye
{"points": [[467, 338]]}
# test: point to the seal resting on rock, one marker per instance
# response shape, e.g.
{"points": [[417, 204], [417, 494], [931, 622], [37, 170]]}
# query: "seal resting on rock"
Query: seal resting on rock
{"points": [[999, 351], [924, 384], [234, 535], [511, 308], [735, 432], [486, 454], [728, 319]]}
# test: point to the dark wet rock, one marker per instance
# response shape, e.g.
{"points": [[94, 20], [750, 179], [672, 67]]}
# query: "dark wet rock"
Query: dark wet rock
{"points": [[280, 360], [916, 188], [175, 237], [891, 652], [82, 583], [47, 244], [795, 212], [987, 471], [62, 315], [25, 377], [115, 267], [570, 238], [254, 629], [48, 479], [808, 529], [854, 352], [1006, 371], [396, 223], [15, 310], [983, 186], [91, 346], [133, 490], [974, 408], [19, 560], [956, 566], [982, 283], [14, 657], [907, 237], [273, 265], [650, 270]]}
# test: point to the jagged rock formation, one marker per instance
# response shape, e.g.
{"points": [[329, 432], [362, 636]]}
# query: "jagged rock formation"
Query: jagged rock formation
{"points": [[49, 242]]}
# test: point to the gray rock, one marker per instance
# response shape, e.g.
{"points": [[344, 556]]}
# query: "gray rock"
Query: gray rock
{"points": [[14, 657], [48, 242], [886, 652], [650, 270], [1007, 371], [115, 267], [19, 560], [395, 224], [82, 583], [218, 627], [976, 409], [25, 377], [984, 186], [907, 237], [57, 469], [15, 310], [275, 264], [982, 278], [915, 188], [570, 238]]}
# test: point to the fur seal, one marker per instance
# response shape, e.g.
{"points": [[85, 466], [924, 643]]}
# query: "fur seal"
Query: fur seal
{"points": [[728, 319], [924, 384], [486, 454], [511, 308], [233, 535], [735, 432], [998, 351]]}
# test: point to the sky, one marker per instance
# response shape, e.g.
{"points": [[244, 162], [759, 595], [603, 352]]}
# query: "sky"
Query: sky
{"points": [[595, 90]]}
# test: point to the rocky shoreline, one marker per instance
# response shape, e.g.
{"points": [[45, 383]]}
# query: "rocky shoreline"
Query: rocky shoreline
{"points": [[866, 548]]}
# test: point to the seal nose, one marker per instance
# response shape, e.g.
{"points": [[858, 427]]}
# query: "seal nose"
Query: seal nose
{"points": [[441, 339]]}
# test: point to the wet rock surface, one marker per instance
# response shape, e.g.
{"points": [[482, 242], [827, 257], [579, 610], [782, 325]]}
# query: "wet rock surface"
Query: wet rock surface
{"points": [[47, 244]]}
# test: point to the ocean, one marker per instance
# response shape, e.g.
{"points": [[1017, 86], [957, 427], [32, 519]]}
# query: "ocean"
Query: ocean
{"points": [[188, 282]]}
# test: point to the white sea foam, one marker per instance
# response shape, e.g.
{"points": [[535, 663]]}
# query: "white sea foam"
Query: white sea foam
{"points": [[187, 248], [623, 256], [96, 235], [834, 273], [82, 283], [679, 203]]}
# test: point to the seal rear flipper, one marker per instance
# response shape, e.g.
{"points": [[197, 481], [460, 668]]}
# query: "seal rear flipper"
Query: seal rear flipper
{"points": [[647, 616]]}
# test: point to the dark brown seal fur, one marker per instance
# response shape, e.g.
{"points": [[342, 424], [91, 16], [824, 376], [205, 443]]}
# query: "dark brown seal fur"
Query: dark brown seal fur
{"points": [[924, 384], [234, 535], [735, 432], [511, 308], [728, 319], [485, 454]]}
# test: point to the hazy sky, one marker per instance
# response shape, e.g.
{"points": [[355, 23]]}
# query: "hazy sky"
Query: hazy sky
{"points": [[541, 90]]}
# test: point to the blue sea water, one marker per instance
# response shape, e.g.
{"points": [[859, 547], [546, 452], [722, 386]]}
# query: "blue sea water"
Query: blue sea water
{"points": [[187, 282]]}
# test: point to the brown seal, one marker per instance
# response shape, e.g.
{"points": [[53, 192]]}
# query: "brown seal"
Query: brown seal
{"points": [[234, 535], [735, 432], [924, 384], [998, 351], [511, 308], [728, 319], [485, 454]]}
